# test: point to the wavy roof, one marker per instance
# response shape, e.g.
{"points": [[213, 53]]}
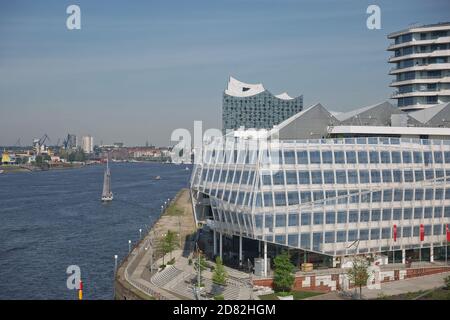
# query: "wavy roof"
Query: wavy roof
{"points": [[238, 88]]}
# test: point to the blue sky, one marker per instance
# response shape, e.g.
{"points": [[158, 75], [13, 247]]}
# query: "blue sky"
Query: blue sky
{"points": [[139, 69]]}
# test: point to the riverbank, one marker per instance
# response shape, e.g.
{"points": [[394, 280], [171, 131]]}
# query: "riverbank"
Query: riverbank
{"points": [[5, 169], [133, 275]]}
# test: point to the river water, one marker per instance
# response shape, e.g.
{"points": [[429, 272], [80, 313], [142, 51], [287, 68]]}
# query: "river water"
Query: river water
{"points": [[50, 220]]}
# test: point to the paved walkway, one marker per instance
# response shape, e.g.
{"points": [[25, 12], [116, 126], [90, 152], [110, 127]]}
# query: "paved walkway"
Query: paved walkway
{"points": [[394, 287]]}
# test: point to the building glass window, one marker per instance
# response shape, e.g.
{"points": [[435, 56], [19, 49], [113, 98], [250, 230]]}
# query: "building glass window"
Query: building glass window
{"points": [[409, 195], [351, 156], [314, 157], [364, 216], [352, 176], [342, 217], [306, 218], [407, 213], [396, 158], [386, 233], [340, 236], [438, 212], [303, 177], [280, 220], [316, 177], [428, 157], [289, 157], [418, 157], [387, 195], [385, 157], [364, 176], [418, 175], [305, 241], [293, 198], [407, 157], [387, 214], [293, 219], [376, 215], [268, 221], [327, 157], [293, 240], [387, 175], [305, 196], [330, 217], [374, 234], [268, 199], [328, 177], [374, 157], [364, 234], [280, 199], [341, 177], [318, 217], [408, 176], [339, 157], [438, 157], [406, 232], [278, 178], [353, 216], [375, 176], [291, 177], [418, 194], [302, 157], [397, 214], [329, 237], [362, 157], [397, 175], [317, 241], [352, 235]]}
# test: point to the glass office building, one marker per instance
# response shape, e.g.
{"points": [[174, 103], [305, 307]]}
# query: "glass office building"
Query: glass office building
{"points": [[252, 106], [321, 195]]}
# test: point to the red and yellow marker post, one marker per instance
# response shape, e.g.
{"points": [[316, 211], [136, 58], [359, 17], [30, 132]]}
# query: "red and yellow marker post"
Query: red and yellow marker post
{"points": [[80, 291]]}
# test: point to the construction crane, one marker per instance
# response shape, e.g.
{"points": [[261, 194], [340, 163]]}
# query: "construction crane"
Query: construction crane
{"points": [[39, 143]]}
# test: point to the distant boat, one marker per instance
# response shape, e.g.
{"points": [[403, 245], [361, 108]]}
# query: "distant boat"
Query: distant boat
{"points": [[1, 171], [158, 178], [107, 195]]}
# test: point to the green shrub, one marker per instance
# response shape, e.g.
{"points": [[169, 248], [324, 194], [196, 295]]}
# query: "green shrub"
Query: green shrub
{"points": [[219, 297], [190, 261], [447, 282]]}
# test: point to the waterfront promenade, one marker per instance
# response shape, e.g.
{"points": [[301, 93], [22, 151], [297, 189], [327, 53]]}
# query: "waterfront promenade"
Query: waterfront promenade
{"points": [[133, 278]]}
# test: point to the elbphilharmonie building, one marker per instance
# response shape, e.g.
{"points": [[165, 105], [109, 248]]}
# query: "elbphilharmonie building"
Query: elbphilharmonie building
{"points": [[321, 181]]}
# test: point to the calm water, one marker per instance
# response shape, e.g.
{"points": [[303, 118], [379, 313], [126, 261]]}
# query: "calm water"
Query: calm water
{"points": [[50, 220]]}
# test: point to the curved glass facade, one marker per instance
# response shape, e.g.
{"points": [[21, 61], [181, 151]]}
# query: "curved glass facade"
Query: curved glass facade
{"points": [[322, 195]]}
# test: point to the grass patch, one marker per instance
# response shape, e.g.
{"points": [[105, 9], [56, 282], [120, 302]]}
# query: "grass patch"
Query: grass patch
{"points": [[174, 210], [270, 296], [403, 296], [438, 294], [298, 295]]}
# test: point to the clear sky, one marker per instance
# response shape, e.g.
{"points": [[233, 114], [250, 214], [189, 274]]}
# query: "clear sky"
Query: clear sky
{"points": [[139, 69]]}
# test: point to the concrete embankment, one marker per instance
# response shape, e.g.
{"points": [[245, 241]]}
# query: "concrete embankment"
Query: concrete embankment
{"points": [[133, 277]]}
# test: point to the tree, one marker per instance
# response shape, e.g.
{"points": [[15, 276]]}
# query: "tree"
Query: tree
{"points": [[169, 243], [199, 265], [284, 272], [219, 275], [359, 273]]}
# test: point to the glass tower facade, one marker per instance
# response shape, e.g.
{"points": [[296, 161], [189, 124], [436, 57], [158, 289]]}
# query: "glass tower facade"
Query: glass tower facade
{"points": [[322, 195]]}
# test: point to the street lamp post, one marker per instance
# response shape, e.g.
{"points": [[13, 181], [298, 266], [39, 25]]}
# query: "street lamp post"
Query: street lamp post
{"points": [[129, 246], [140, 234]]}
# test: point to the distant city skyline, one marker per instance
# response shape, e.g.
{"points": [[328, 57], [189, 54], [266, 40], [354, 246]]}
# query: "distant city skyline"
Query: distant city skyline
{"points": [[137, 71]]}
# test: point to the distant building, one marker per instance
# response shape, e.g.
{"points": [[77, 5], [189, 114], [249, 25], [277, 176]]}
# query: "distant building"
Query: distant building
{"points": [[252, 106], [72, 142], [118, 144], [87, 144], [422, 66]]}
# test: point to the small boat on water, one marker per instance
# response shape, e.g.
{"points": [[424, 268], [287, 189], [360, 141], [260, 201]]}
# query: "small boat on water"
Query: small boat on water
{"points": [[158, 178], [107, 195]]}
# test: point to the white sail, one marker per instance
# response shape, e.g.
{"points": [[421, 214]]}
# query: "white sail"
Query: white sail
{"points": [[107, 195]]}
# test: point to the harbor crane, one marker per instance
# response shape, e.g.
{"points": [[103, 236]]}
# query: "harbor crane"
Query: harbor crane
{"points": [[39, 143]]}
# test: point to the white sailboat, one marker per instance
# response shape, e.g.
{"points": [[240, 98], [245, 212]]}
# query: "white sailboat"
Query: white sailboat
{"points": [[107, 195]]}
